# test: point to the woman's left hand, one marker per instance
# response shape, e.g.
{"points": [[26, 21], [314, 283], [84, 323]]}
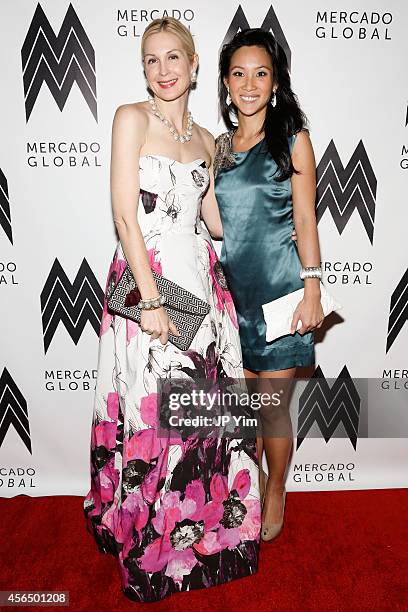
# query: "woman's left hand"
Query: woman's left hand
{"points": [[310, 312]]}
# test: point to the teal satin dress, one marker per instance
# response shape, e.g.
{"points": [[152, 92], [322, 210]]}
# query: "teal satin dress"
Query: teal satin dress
{"points": [[259, 257]]}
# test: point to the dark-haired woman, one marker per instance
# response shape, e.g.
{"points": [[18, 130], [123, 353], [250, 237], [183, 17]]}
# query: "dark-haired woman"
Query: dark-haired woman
{"points": [[265, 184]]}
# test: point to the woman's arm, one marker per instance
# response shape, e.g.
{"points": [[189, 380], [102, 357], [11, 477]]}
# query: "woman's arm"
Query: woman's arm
{"points": [[309, 311], [209, 207], [128, 135]]}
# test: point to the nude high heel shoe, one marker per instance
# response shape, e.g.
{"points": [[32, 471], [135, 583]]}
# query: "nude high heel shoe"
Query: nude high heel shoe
{"points": [[269, 531]]}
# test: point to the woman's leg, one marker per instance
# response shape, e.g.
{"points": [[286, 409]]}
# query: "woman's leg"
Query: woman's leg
{"points": [[277, 441]]}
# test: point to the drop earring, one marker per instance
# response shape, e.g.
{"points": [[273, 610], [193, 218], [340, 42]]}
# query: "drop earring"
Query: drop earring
{"points": [[273, 99], [228, 100], [194, 77]]}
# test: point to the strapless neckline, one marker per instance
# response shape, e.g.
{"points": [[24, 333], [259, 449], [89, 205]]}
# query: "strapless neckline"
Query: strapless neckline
{"points": [[190, 163]]}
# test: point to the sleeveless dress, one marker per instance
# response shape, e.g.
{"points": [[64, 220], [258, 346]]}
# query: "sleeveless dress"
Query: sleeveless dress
{"points": [[178, 515], [259, 257]]}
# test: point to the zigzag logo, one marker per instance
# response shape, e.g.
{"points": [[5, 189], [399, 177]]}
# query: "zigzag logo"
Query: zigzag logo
{"points": [[398, 310], [13, 410], [341, 190], [328, 407], [5, 216], [270, 23], [58, 60], [72, 304]]}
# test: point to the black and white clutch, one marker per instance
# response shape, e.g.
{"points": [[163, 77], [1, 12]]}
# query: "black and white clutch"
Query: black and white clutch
{"points": [[185, 309]]}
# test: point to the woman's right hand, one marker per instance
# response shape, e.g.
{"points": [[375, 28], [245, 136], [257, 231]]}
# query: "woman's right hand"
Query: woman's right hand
{"points": [[157, 324]]}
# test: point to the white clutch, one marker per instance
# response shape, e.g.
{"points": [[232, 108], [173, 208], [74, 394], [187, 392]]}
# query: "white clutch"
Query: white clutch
{"points": [[278, 314]]}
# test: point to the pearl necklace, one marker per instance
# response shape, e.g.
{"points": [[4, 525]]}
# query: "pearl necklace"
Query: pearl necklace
{"points": [[182, 138]]}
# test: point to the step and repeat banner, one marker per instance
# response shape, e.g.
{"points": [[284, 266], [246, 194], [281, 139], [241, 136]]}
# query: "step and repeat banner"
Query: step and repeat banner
{"points": [[65, 67]]}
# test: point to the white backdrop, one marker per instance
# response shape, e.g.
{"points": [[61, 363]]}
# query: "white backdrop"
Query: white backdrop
{"points": [[57, 237]]}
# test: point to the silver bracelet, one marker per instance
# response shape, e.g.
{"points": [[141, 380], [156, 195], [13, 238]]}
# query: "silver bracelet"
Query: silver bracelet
{"points": [[152, 303], [311, 272]]}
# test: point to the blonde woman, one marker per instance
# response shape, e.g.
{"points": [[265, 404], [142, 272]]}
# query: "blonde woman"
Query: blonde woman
{"points": [[178, 514]]}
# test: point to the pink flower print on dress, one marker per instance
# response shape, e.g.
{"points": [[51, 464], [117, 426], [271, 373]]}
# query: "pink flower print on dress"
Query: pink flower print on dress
{"points": [[240, 517], [181, 525]]}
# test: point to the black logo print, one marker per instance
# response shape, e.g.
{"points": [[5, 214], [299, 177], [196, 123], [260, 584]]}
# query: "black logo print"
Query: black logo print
{"points": [[13, 410], [71, 304], [341, 190], [5, 216], [398, 310], [270, 23], [327, 407], [59, 61]]}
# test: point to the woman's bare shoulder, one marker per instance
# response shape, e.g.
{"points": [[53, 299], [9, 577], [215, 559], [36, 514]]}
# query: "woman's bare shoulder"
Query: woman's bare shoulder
{"points": [[132, 114], [206, 136], [302, 153], [208, 141]]}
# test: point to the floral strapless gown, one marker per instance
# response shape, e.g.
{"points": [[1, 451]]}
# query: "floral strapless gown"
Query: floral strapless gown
{"points": [[177, 514]]}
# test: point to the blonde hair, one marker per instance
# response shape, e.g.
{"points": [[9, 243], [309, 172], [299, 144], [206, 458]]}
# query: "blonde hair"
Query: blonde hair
{"points": [[173, 26]]}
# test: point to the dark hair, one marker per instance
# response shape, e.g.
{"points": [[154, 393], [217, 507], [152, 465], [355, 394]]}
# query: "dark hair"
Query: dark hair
{"points": [[283, 120]]}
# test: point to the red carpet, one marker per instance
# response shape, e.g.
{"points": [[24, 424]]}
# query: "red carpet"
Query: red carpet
{"points": [[344, 550]]}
